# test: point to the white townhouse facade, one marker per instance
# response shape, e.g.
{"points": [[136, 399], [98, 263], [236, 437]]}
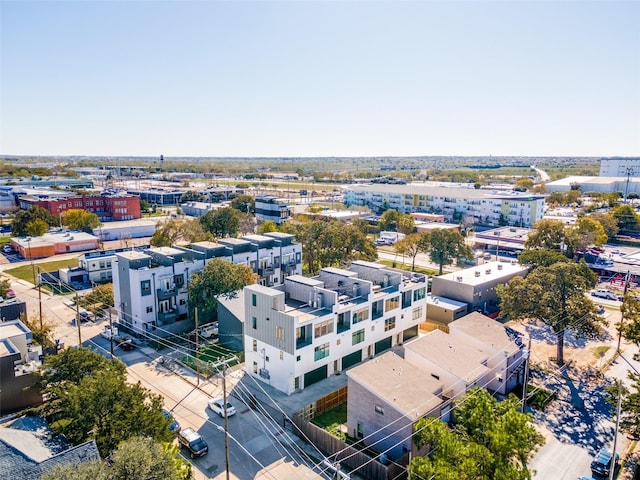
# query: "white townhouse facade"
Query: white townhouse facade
{"points": [[309, 328], [151, 286], [453, 201]]}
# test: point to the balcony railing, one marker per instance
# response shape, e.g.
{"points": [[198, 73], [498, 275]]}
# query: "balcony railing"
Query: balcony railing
{"points": [[166, 294], [266, 271]]}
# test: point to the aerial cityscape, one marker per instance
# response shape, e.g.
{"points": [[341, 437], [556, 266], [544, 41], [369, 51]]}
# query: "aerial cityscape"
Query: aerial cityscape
{"points": [[320, 240]]}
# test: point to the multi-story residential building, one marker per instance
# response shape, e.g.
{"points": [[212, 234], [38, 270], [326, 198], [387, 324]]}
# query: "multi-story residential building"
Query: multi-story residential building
{"points": [[97, 266], [150, 286], [107, 207], [19, 360], [309, 328], [453, 202], [274, 209], [158, 196]]}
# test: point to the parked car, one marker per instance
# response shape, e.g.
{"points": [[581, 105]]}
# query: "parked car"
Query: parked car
{"points": [[125, 343], [10, 293], [193, 442], [604, 461], [7, 249], [602, 293], [217, 406], [174, 426], [210, 330]]}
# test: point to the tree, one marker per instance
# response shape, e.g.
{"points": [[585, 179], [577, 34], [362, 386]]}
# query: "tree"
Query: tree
{"points": [[37, 227], [5, 286], [584, 233], [444, 246], [555, 295], [175, 231], [630, 328], [221, 223], [627, 219], [410, 246], [218, 277], [192, 196], [89, 397], [144, 206], [244, 203], [541, 258], [76, 219], [548, 234], [140, 458], [523, 184], [394, 221], [24, 217], [101, 296], [267, 227], [42, 335], [608, 222], [491, 440]]}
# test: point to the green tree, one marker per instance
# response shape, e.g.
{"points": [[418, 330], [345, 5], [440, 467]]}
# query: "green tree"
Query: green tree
{"points": [[244, 203], [94, 470], [555, 295], [89, 397], [76, 219], [584, 233], [192, 196], [541, 258], [37, 227], [218, 277], [491, 441], [608, 222], [24, 217], [221, 223], [267, 227], [5, 286], [626, 217], [174, 231], [394, 221], [445, 245], [409, 246], [630, 404], [144, 206], [630, 328], [548, 234], [523, 184], [101, 296]]}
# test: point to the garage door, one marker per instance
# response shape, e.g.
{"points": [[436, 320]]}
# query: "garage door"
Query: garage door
{"points": [[315, 376], [409, 333], [351, 359], [383, 345]]}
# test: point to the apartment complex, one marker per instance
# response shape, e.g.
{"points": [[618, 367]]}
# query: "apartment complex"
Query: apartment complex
{"points": [[274, 209], [309, 328], [107, 207], [150, 286], [453, 202]]}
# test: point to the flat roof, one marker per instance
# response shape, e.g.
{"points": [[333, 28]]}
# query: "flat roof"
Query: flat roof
{"points": [[53, 237], [132, 255], [487, 271], [399, 383], [13, 328], [312, 282], [444, 302], [486, 330], [166, 251], [452, 354]]}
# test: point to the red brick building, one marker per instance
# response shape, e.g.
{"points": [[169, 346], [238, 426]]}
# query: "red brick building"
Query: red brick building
{"points": [[107, 207]]}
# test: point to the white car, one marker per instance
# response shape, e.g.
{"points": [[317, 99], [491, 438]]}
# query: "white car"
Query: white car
{"points": [[217, 405]]}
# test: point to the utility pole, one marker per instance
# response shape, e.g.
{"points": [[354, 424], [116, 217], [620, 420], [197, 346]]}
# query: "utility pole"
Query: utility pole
{"points": [[111, 332], [226, 418], [615, 436], [197, 359], [628, 173], [525, 381], [624, 293], [40, 297], [78, 322]]}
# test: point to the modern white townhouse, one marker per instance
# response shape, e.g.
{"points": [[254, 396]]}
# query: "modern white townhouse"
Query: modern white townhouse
{"points": [[452, 201], [274, 209], [150, 286], [301, 332]]}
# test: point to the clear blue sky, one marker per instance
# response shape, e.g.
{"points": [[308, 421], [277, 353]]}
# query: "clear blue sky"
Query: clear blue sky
{"points": [[321, 78]]}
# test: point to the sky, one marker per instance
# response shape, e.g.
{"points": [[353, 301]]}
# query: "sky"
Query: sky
{"points": [[322, 78]]}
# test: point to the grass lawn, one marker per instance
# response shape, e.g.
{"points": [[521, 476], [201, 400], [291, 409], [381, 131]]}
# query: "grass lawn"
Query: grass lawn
{"points": [[332, 419], [407, 266], [25, 272]]}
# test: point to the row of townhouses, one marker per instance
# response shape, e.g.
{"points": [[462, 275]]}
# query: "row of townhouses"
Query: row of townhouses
{"points": [[480, 206], [150, 286]]}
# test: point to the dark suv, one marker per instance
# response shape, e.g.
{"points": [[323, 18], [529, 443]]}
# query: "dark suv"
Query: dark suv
{"points": [[193, 441], [604, 461]]}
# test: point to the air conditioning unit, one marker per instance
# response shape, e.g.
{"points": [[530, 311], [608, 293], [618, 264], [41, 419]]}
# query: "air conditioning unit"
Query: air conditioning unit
{"points": [[459, 279], [488, 271], [477, 273], [500, 266]]}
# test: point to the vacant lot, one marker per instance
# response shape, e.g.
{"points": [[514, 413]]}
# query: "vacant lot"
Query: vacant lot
{"points": [[25, 272]]}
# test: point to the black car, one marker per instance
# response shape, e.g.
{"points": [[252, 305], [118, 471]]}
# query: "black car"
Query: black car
{"points": [[174, 426], [603, 461]]}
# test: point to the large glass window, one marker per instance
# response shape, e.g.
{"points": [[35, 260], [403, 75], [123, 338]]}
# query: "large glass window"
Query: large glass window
{"points": [[357, 337], [145, 287], [322, 328], [417, 314], [419, 293], [389, 323], [361, 315], [391, 303], [321, 351]]}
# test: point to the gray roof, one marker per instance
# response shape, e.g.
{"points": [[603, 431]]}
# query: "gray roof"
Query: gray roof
{"points": [[434, 189], [486, 330]]}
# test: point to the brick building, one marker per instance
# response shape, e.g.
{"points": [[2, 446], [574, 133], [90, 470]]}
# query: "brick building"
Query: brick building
{"points": [[106, 207]]}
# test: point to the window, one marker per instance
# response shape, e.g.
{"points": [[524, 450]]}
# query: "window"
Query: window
{"points": [[298, 357], [419, 293], [183, 301], [322, 328], [254, 300], [321, 351], [254, 322], [280, 333], [266, 358], [361, 315], [145, 287], [255, 345], [255, 367], [149, 309], [389, 324], [178, 280], [379, 409], [417, 313], [357, 337], [391, 304], [281, 355]]}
